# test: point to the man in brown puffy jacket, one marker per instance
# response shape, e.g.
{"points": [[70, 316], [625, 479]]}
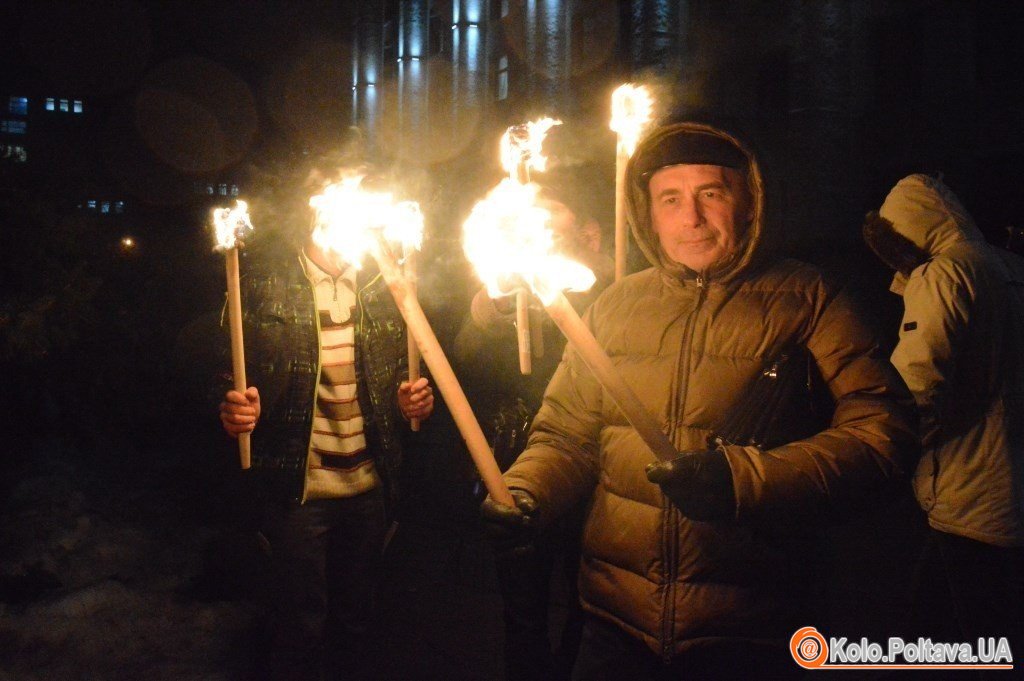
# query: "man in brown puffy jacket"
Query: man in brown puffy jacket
{"points": [[701, 566]]}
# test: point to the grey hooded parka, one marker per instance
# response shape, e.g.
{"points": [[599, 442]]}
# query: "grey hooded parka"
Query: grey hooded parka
{"points": [[961, 352]]}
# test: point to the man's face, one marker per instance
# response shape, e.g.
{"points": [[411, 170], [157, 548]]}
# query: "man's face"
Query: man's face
{"points": [[571, 236], [699, 213]]}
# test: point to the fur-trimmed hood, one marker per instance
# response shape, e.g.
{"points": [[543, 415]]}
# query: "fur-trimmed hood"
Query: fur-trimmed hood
{"points": [[920, 219], [929, 214], [891, 247], [638, 208]]}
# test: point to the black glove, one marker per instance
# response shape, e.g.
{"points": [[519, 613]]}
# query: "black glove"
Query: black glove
{"points": [[512, 530], [698, 483]]}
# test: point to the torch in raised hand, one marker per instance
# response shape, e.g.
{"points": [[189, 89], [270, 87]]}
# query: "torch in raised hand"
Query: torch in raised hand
{"points": [[230, 226], [521, 152], [509, 242]]}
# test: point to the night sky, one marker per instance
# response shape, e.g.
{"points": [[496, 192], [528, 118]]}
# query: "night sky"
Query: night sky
{"points": [[118, 487]]}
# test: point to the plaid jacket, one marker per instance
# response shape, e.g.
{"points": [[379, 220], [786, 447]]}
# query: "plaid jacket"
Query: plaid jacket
{"points": [[283, 360]]}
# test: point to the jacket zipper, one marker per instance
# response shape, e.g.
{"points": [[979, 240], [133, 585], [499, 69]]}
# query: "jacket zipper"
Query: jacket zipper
{"points": [[672, 520]]}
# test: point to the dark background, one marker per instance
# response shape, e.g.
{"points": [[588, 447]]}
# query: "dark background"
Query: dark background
{"points": [[117, 485]]}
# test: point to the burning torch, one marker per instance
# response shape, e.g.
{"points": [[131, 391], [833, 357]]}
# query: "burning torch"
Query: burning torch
{"points": [[508, 240], [353, 222], [521, 151], [631, 111], [230, 225]]}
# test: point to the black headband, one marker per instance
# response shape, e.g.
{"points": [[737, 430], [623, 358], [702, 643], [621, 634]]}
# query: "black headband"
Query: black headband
{"points": [[689, 147]]}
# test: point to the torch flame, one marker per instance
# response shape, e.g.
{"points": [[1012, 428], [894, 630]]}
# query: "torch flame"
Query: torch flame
{"points": [[231, 224], [508, 237], [521, 146], [348, 215], [631, 111], [508, 240]]}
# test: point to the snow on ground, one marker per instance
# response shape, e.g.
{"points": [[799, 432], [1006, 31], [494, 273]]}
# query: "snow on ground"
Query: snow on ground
{"points": [[115, 572], [98, 576], [127, 566]]}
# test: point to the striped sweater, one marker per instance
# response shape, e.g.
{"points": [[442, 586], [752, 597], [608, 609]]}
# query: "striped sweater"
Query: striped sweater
{"points": [[339, 464]]}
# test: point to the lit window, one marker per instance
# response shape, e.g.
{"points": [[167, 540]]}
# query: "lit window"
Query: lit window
{"points": [[504, 8], [92, 204], [118, 206], [222, 189], [105, 207], [209, 189], [18, 106], [13, 153], [64, 105], [49, 104], [234, 190], [13, 127], [78, 106], [503, 77]]}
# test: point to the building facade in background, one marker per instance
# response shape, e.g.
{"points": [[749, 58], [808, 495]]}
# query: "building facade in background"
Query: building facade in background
{"points": [[840, 96]]}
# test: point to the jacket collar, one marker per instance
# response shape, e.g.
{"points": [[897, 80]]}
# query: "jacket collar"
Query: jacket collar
{"points": [[317, 274]]}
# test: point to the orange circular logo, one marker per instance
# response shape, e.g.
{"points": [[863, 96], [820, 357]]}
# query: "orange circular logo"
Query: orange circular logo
{"points": [[809, 648]]}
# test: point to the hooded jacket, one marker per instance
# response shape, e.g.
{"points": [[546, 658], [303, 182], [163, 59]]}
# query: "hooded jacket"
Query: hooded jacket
{"points": [[690, 344], [960, 351]]}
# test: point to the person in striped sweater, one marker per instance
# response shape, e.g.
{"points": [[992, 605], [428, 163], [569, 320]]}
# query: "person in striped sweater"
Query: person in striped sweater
{"points": [[327, 408]]}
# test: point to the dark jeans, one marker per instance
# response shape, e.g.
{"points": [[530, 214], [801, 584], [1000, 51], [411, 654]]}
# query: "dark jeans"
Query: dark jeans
{"points": [[965, 589], [608, 653], [325, 558], [527, 583]]}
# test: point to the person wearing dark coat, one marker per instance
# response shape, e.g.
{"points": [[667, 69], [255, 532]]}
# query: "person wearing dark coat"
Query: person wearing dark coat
{"points": [[327, 407]]}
